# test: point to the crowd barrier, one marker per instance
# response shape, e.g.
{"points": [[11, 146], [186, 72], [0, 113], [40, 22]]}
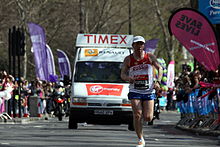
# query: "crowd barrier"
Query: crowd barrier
{"points": [[3, 110], [31, 106], [5, 95], [201, 110]]}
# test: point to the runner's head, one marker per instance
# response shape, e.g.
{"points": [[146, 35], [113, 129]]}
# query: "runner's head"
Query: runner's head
{"points": [[138, 43], [138, 39]]}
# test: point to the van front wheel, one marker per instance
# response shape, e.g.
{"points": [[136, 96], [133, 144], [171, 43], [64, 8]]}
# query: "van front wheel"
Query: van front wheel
{"points": [[72, 123], [131, 126]]}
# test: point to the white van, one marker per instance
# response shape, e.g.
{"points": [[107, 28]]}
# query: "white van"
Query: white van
{"points": [[99, 95]]}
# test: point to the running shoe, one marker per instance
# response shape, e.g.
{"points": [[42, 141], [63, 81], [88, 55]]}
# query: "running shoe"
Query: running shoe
{"points": [[141, 143]]}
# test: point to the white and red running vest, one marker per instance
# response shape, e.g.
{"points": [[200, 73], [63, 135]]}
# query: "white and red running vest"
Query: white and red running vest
{"points": [[142, 71]]}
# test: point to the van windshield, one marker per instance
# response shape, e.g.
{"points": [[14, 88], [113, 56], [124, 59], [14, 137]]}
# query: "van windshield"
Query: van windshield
{"points": [[108, 72]]}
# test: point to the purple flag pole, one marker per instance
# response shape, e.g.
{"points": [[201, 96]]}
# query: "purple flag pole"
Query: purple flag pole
{"points": [[151, 45], [50, 63], [64, 64], [38, 40]]}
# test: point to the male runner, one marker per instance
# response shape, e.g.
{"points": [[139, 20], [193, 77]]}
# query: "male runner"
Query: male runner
{"points": [[138, 70]]}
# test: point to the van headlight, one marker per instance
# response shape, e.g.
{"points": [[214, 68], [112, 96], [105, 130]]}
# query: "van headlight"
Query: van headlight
{"points": [[79, 100], [126, 101]]}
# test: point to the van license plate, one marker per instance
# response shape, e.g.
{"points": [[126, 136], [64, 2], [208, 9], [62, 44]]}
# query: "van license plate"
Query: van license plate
{"points": [[103, 112]]}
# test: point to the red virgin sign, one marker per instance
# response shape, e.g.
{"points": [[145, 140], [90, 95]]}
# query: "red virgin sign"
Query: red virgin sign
{"points": [[104, 89]]}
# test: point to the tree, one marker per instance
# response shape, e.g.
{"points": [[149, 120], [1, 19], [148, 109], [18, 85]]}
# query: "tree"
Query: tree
{"points": [[170, 43], [61, 21]]}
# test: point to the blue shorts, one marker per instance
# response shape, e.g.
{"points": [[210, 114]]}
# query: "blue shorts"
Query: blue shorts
{"points": [[133, 95]]}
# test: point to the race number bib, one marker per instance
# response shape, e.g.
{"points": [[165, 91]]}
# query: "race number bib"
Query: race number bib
{"points": [[141, 84]]}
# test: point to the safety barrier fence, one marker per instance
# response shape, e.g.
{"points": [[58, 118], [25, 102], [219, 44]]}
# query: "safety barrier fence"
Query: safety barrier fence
{"points": [[3, 110], [201, 109], [10, 108]]}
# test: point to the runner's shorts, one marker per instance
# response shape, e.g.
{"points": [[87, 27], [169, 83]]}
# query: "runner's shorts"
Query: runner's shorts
{"points": [[133, 95]]}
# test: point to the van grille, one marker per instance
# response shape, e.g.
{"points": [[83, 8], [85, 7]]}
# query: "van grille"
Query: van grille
{"points": [[113, 104], [99, 104], [94, 104]]}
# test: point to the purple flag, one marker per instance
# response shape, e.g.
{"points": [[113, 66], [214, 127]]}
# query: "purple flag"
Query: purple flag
{"points": [[64, 64], [53, 78], [50, 64], [38, 40], [151, 45]]}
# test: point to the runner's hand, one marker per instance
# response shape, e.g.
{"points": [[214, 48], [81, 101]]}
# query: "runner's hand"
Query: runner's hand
{"points": [[156, 86], [131, 80]]}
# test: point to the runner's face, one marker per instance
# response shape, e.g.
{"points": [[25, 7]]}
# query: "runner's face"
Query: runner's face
{"points": [[138, 46]]}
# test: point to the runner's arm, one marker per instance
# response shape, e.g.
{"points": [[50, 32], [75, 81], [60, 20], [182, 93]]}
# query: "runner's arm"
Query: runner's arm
{"points": [[124, 70], [159, 68]]}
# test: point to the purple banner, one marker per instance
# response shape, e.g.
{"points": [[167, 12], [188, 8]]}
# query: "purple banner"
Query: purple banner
{"points": [[64, 64], [38, 40], [151, 45], [50, 64]]}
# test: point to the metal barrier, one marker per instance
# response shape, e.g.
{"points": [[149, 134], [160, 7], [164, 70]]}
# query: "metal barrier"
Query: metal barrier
{"points": [[199, 111], [3, 110], [33, 106], [9, 108], [4, 97]]}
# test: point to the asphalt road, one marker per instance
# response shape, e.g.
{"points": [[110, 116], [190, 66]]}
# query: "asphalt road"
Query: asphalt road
{"points": [[53, 133]]}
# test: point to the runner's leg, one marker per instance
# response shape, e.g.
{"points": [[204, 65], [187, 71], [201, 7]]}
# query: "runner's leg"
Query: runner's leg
{"points": [[148, 110], [137, 116]]}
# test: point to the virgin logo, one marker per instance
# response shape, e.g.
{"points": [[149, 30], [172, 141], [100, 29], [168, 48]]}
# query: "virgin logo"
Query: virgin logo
{"points": [[96, 89]]}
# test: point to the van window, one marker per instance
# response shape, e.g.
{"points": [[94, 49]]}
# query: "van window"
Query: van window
{"points": [[108, 72]]}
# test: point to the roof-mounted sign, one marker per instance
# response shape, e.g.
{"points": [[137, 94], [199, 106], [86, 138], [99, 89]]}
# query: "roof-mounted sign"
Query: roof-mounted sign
{"points": [[104, 40]]}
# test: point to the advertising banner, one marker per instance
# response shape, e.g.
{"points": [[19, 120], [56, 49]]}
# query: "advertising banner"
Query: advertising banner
{"points": [[104, 89], [171, 74], [151, 45], [103, 54], [211, 9], [193, 30], [104, 40], [38, 40], [50, 64], [64, 64]]}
